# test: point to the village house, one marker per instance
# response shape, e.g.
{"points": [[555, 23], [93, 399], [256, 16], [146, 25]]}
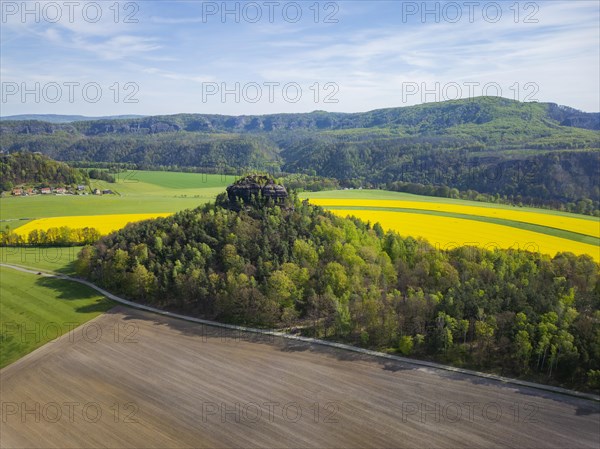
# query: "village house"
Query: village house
{"points": [[46, 190], [79, 188], [60, 190], [17, 192], [97, 192]]}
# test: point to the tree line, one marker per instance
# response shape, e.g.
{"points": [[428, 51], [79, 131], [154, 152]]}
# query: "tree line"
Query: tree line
{"points": [[54, 236]]}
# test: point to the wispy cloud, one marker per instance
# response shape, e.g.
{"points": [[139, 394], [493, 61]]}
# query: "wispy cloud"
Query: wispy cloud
{"points": [[118, 47], [171, 51]]}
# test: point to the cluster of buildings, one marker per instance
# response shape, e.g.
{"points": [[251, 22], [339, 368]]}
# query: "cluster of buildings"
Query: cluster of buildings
{"points": [[78, 190], [27, 191], [70, 190], [103, 192]]}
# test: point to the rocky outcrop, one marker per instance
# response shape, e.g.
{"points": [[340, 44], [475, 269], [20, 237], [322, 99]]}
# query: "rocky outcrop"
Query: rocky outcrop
{"points": [[253, 187]]}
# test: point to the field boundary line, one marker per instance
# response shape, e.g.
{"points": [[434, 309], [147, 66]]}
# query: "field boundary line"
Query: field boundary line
{"points": [[343, 346], [69, 334]]}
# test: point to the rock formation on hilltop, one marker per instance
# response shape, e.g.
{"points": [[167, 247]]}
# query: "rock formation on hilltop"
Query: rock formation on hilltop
{"points": [[251, 188]]}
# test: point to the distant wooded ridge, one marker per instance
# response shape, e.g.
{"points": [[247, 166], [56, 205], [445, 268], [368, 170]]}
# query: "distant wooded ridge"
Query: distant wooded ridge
{"points": [[407, 115], [535, 153]]}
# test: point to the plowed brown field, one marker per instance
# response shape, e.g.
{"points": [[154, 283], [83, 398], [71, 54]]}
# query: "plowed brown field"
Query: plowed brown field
{"points": [[151, 381]]}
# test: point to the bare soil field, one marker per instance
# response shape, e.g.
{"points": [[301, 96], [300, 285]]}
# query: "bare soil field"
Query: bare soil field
{"points": [[133, 379]]}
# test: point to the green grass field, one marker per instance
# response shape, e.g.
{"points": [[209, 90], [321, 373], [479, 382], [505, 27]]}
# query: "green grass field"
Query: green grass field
{"points": [[174, 180], [56, 259], [35, 310], [136, 192]]}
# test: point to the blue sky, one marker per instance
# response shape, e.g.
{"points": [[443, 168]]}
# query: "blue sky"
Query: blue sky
{"points": [[169, 57]]}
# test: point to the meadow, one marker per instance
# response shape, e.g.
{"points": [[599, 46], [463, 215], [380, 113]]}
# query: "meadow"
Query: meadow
{"points": [[58, 259], [36, 310], [136, 192]]}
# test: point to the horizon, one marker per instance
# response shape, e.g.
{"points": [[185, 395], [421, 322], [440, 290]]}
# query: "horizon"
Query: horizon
{"points": [[136, 116], [235, 58]]}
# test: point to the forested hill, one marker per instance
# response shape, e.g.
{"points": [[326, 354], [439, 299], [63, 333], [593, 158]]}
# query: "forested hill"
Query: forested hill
{"points": [[276, 261], [32, 169], [522, 151], [428, 118]]}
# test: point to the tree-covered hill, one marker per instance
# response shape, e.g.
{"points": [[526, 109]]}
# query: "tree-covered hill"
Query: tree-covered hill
{"points": [[34, 169], [278, 261], [424, 118], [485, 144]]}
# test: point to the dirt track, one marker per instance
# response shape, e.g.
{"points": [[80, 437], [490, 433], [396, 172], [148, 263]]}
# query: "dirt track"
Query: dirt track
{"points": [[151, 381]]}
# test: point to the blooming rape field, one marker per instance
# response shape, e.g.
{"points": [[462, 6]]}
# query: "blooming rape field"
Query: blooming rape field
{"points": [[105, 224], [446, 225], [576, 224], [449, 232]]}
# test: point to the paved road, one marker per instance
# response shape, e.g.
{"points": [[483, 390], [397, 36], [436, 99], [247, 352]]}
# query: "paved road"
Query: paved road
{"points": [[131, 378]]}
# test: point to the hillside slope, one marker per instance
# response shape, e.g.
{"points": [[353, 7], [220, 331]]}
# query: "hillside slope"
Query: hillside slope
{"points": [[276, 261]]}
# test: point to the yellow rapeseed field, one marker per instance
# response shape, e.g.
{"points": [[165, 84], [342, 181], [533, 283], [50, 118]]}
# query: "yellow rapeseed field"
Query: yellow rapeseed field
{"points": [[448, 232], [573, 224], [103, 223]]}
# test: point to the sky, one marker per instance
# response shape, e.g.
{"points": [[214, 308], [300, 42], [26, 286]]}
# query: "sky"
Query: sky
{"points": [[153, 57]]}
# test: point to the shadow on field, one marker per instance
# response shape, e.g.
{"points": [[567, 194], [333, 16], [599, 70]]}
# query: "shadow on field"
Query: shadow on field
{"points": [[582, 407], [67, 290], [216, 335], [68, 269], [219, 335], [72, 291], [99, 306]]}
